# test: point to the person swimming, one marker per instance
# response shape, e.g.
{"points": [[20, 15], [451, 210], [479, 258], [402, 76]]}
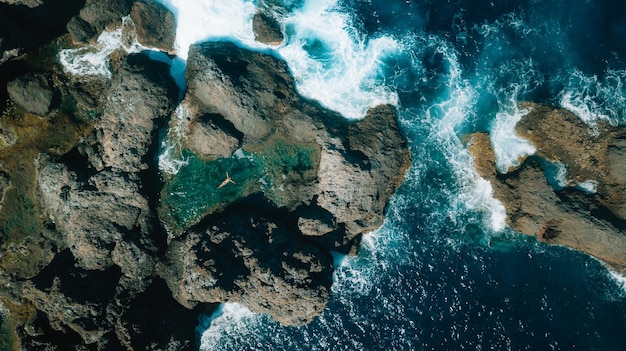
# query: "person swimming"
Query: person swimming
{"points": [[226, 181]]}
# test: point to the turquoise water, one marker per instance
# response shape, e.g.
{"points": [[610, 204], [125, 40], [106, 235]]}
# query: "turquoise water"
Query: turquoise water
{"points": [[442, 274]]}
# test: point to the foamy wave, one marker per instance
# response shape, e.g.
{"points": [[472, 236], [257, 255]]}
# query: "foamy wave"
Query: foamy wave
{"points": [[474, 193], [329, 60], [92, 59], [203, 20], [508, 146], [226, 320], [593, 99], [619, 279], [332, 63], [171, 159]]}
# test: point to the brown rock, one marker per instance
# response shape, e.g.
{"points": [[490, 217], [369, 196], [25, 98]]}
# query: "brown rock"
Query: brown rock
{"points": [[266, 29], [155, 25], [560, 136], [568, 217]]}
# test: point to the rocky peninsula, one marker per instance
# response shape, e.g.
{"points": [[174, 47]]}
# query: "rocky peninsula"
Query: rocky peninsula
{"points": [[572, 192], [99, 250]]}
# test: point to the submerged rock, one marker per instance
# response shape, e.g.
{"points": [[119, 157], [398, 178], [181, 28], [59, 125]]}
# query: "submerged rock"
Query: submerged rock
{"points": [[566, 215]]}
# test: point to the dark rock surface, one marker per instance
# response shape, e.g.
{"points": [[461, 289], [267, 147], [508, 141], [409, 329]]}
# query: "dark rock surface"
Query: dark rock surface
{"points": [[32, 92], [24, 27], [250, 257], [569, 216]]}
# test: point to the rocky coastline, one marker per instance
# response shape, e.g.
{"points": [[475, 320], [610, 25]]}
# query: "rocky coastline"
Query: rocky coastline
{"points": [[572, 191], [99, 250]]}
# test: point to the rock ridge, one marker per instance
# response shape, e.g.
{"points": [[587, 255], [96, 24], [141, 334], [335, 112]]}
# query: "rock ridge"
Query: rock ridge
{"points": [[544, 197]]}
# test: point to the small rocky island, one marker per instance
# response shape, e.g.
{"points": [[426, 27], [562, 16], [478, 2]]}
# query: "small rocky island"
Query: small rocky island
{"points": [[99, 250], [572, 192]]}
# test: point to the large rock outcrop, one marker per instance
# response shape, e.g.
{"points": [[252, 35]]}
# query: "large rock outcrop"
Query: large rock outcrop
{"points": [[307, 180], [560, 211]]}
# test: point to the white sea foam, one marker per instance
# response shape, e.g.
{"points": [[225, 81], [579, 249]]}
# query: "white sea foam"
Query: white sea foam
{"points": [[332, 63], [509, 147], [589, 186], [593, 98], [618, 278], [342, 73], [171, 159], [92, 59], [202, 20], [475, 192], [226, 320], [561, 175]]}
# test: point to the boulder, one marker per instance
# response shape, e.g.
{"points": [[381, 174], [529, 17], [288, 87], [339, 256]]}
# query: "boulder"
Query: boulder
{"points": [[155, 25], [266, 29], [33, 92], [349, 169]]}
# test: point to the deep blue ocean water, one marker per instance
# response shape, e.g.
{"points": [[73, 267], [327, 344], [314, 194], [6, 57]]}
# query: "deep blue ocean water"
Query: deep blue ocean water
{"points": [[443, 273]]}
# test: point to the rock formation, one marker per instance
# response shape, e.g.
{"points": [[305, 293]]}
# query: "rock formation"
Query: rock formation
{"points": [[317, 182], [100, 251], [566, 214], [32, 92], [267, 29]]}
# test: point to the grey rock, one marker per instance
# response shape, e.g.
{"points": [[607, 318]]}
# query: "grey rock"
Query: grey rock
{"points": [[33, 92], [29, 3]]}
